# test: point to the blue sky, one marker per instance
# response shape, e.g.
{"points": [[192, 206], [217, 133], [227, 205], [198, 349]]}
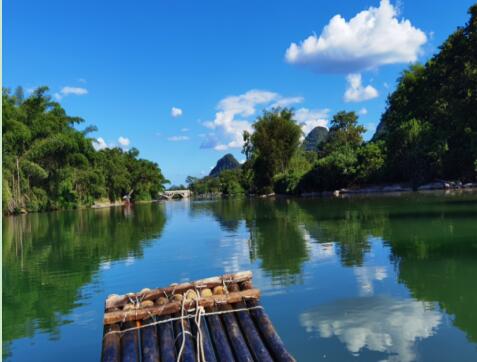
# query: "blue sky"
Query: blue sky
{"points": [[123, 66]]}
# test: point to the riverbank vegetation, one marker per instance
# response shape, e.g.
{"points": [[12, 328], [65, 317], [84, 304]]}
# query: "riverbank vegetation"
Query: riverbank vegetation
{"points": [[428, 131], [49, 163]]}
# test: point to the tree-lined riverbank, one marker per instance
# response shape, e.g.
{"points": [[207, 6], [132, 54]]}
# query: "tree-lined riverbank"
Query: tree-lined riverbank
{"points": [[427, 133], [50, 164]]}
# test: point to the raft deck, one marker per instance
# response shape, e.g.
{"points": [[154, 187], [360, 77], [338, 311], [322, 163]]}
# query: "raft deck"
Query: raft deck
{"points": [[213, 319]]}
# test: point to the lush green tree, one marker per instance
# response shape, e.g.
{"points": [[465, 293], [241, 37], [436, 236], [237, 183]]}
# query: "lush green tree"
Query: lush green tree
{"points": [[345, 132], [49, 164], [337, 165], [230, 182], [300, 163], [434, 104], [270, 148], [371, 161], [207, 185], [190, 180]]}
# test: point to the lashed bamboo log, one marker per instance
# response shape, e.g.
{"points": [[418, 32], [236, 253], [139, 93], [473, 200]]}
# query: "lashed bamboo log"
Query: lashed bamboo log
{"points": [[182, 330], [236, 338], [166, 340], [115, 301], [149, 345], [129, 343], [257, 347], [264, 324], [270, 336], [219, 338], [209, 353], [111, 344], [175, 306]]}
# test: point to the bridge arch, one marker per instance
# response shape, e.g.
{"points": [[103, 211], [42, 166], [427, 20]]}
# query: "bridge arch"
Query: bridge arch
{"points": [[176, 194]]}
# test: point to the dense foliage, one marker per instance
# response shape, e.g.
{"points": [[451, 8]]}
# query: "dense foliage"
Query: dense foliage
{"points": [[277, 163], [227, 162], [49, 164], [228, 182], [270, 148], [430, 124]]}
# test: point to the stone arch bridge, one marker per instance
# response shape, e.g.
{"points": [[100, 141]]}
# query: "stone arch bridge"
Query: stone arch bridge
{"points": [[176, 194]]}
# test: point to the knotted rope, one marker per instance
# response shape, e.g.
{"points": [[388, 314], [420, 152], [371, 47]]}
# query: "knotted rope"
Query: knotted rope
{"points": [[198, 315], [189, 316]]}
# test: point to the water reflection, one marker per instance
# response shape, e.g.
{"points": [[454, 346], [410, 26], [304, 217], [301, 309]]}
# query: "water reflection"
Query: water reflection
{"points": [[432, 239], [380, 258], [276, 237], [381, 324], [49, 257], [366, 277]]}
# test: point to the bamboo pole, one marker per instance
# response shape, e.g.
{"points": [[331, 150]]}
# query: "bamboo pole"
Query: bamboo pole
{"points": [[116, 301], [175, 306], [129, 343], [257, 347], [236, 338], [219, 338], [149, 342], [182, 330], [270, 336], [206, 339], [111, 344], [166, 340]]}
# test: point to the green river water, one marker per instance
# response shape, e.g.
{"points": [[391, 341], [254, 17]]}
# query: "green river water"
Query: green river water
{"points": [[382, 278]]}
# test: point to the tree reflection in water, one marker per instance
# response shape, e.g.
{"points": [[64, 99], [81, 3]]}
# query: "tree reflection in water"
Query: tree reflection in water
{"points": [[432, 240], [49, 257]]}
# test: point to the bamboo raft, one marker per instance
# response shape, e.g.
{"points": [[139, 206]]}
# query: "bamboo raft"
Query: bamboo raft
{"points": [[213, 319]]}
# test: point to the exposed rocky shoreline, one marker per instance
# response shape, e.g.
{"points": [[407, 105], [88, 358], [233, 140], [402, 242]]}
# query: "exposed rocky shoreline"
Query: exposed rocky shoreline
{"points": [[397, 188]]}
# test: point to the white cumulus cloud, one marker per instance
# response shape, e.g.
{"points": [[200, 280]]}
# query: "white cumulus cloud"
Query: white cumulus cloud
{"points": [[372, 38], [178, 138], [123, 141], [311, 118], [230, 120], [233, 117], [66, 91], [287, 101], [100, 144], [356, 92], [176, 112]]}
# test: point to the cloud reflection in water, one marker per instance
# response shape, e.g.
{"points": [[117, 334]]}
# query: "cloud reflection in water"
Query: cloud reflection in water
{"points": [[381, 324]]}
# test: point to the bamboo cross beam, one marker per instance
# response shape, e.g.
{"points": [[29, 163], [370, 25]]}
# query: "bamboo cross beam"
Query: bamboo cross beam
{"points": [[117, 301], [175, 306]]}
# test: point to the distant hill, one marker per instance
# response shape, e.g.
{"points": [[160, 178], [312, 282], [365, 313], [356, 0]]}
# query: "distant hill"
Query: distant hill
{"points": [[228, 162], [315, 138]]}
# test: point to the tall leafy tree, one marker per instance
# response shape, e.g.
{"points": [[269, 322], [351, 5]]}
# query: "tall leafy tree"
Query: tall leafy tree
{"points": [[275, 139]]}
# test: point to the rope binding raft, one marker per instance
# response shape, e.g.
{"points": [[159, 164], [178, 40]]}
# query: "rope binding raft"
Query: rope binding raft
{"points": [[213, 319]]}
